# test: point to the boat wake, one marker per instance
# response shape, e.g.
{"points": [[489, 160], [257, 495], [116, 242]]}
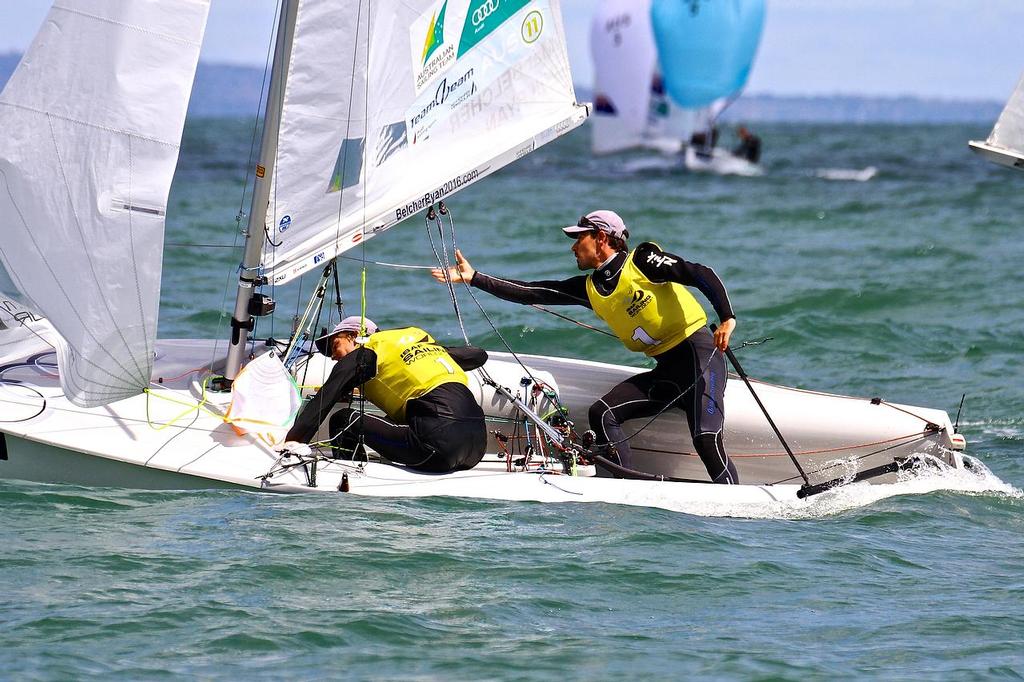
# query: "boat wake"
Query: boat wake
{"points": [[847, 174], [975, 480], [651, 164]]}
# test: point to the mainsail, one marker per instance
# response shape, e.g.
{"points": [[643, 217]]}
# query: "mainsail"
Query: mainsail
{"points": [[392, 106], [625, 70], [1005, 144], [92, 120]]}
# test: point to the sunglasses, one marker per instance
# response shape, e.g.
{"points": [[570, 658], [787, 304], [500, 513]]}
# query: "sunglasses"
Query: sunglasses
{"points": [[586, 222]]}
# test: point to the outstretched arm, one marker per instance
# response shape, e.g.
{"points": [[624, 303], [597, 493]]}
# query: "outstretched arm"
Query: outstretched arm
{"points": [[462, 272], [572, 291]]}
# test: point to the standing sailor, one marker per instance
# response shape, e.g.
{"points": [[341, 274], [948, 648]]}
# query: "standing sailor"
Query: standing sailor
{"points": [[749, 147], [433, 421], [641, 295]]}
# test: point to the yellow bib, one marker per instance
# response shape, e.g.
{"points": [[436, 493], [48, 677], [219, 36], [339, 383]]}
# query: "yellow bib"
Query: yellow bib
{"points": [[647, 316], [409, 365]]}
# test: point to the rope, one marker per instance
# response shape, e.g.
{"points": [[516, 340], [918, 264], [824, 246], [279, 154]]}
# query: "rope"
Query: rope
{"points": [[42, 408], [444, 262]]}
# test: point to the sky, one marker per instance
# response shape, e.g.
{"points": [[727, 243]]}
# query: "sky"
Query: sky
{"points": [[952, 49]]}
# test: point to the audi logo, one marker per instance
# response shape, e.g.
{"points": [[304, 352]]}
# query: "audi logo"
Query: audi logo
{"points": [[485, 10]]}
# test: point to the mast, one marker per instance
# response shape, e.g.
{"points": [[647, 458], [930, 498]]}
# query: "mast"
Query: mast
{"points": [[249, 277]]}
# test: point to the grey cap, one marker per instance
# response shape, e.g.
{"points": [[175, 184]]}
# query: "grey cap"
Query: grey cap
{"points": [[352, 323], [605, 221]]}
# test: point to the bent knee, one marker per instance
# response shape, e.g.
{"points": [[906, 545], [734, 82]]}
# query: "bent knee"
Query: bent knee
{"points": [[600, 415]]}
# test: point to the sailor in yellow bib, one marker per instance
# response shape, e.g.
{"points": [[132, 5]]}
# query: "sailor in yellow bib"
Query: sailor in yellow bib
{"points": [[648, 317], [433, 422], [642, 295]]}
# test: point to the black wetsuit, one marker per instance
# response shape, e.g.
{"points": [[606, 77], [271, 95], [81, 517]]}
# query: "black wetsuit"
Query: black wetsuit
{"points": [[749, 148], [445, 429], [677, 369]]}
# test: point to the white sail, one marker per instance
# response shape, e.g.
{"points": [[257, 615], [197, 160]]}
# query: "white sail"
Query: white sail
{"points": [[625, 63], [92, 120], [393, 105], [1005, 144]]}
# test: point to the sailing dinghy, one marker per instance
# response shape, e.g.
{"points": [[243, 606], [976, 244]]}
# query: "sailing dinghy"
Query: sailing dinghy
{"points": [[88, 395], [1005, 144], [666, 69]]}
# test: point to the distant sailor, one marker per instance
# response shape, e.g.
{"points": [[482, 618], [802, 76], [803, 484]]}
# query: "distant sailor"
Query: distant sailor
{"points": [[704, 145], [641, 295], [749, 147], [433, 422]]}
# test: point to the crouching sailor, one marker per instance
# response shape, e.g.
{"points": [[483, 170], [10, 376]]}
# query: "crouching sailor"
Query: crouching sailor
{"points": [[641, 294], [433, 422]]}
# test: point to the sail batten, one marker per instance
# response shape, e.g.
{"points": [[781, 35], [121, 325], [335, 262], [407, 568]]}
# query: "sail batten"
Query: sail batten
{"points": [[429, 97], [92, 120]]}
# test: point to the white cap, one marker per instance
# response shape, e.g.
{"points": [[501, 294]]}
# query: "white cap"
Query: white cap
{"points": [[353, 323], [605, 221]]}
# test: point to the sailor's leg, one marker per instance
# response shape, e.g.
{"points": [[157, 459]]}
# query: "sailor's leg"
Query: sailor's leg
{"points": [[629, 400], [397, 442], [705, 410], [454, 444], [350, 428]]}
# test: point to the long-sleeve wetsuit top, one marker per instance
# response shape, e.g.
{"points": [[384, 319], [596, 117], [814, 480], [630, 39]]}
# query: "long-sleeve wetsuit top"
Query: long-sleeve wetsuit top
{"points": [[356, 369], [655, 264]]}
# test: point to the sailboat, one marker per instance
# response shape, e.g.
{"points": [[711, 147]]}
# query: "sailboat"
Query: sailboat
{"points": [[706, 52], [354, 141], [665, 70], [631, 109], [1005, 144]]}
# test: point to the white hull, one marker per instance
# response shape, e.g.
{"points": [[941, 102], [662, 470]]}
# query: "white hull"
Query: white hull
{"points": [[720, 162], [999, 155], [161, 442]]}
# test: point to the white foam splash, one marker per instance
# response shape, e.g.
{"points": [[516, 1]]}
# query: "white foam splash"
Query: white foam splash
{"points": [[650, 163], [976, 480], [847, 174]]}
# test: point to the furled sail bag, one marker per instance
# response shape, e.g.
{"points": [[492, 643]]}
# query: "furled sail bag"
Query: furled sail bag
{"points": [[264, 400], [706, 48]]}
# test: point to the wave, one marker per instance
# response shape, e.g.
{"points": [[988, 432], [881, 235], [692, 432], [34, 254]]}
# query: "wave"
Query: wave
{"points": [[847, 174]]}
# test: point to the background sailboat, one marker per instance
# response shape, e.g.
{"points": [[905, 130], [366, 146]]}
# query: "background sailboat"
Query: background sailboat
{"points": [[706, 51], [696, 58], [1005, 144], [631, 109]]}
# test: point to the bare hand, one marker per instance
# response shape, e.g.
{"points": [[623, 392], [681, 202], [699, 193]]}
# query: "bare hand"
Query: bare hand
{"points": [[462, 272], [723, 333]]}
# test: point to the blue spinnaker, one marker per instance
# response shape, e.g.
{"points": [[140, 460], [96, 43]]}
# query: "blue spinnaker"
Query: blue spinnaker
{"points": [[706, 47]]}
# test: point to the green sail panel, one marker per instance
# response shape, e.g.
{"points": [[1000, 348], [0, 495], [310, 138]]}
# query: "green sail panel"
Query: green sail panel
{"points": [[483, 18]]}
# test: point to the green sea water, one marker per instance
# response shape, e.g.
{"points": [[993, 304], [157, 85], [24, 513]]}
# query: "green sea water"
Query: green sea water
{"points": [[905, 286]]}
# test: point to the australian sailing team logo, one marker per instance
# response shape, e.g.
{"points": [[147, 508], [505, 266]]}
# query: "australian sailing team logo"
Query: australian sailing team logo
{"points": [[437, 54]]}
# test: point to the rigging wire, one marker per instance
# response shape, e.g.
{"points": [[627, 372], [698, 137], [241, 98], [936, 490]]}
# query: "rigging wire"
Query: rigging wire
{"points": [[241, 215]]}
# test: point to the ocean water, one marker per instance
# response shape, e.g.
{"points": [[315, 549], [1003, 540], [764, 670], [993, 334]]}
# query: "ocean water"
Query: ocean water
{"points": [[906, 285]]}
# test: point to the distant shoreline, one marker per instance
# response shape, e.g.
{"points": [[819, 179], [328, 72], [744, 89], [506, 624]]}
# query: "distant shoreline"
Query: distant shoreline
{"points": [[224, 90]]}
